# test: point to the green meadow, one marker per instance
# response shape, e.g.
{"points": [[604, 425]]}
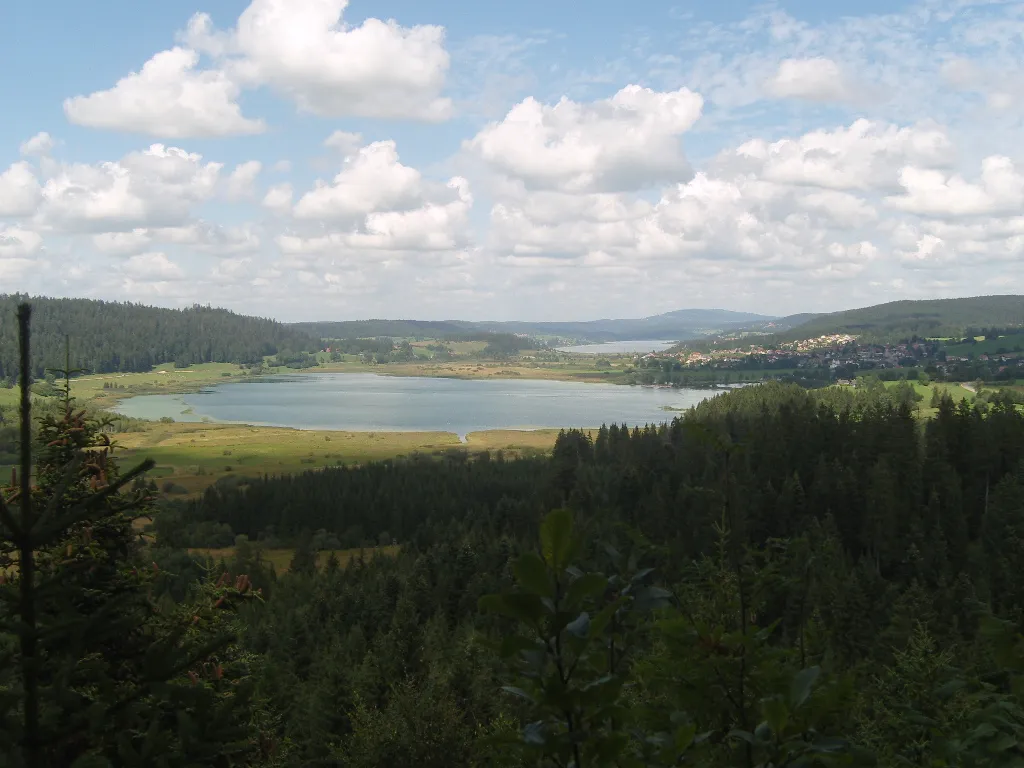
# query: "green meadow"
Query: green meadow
{"points": [[189, 457]]}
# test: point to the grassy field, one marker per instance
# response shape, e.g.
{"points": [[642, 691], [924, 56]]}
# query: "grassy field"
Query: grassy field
{"points": [[954, 390], [1011, 343], [281, 558], [194, 456], [163, 379]]}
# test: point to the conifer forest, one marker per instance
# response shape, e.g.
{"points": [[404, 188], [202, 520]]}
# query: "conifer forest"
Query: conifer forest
{"points": [[777, 577]]}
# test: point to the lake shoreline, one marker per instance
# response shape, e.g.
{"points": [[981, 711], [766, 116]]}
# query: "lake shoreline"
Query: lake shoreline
{"points": [[169, 380], [371, 402]]}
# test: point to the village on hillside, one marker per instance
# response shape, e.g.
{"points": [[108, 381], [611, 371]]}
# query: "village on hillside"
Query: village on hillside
{"points": [[840, 357]]}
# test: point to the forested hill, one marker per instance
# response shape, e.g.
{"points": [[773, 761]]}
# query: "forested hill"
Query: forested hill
{"points": [[111, 336], [364, 329], [899, 320], [680, 324]]}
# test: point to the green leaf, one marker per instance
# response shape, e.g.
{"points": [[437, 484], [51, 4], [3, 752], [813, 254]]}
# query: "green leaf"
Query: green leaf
{"points": [[556, 538], [763, 732], [684, 737], [535, 734], [580, 626], [803, 682], [588, 585], [527, 608], [639, 576], [984, 730], [776, 714], [532, 574], [601, 619], [1002, 743]]}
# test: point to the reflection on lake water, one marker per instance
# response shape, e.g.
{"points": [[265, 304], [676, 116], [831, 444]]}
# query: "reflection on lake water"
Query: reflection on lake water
{"points": [[370, 402]]}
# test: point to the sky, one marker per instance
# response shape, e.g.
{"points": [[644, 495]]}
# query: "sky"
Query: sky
{"points": [[437, 159]]}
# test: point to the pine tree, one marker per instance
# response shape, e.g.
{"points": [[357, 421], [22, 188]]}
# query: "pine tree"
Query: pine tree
{"points": [[303, 562], [92, 671]]}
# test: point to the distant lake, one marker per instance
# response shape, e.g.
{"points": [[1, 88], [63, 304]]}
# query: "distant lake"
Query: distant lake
{"points": [[373, 403], [619, 347]]}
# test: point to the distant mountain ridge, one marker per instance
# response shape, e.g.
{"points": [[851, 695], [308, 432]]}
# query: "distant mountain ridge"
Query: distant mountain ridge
{"points": [[898, 320], [676, 325]]}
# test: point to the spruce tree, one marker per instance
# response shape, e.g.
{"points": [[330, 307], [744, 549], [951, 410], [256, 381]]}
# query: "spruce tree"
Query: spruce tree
{"points": [[93, 671]]}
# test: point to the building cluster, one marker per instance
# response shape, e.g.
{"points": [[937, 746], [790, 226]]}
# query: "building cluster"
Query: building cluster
{"points": [[840, 355]]}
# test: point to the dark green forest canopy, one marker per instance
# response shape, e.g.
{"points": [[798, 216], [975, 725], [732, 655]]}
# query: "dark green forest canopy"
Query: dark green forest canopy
{"points": [[777, 577], [111, 336], [795, 530], [835, 444]]}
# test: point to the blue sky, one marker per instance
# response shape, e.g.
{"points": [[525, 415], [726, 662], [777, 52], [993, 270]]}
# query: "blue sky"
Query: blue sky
{"points": [[499, 160]]}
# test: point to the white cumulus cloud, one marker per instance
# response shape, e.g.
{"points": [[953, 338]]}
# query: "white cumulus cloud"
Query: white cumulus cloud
{"points": [[375, 205], [813, 79], [865, 155], [344, 142], [930, 192], [370, 180], [153, 266], [628, 141], [167, 98], [18, 243], [20, 192], [122, 243], [304, 50], [40, 144], [279, 198], [158, 186], [241, 182]]}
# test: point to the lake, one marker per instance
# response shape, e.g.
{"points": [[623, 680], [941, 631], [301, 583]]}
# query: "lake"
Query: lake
{"points": [[373, 403], [619, 347]]}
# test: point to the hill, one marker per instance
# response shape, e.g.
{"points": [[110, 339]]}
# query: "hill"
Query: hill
{"points": [[680, 324], [112, 336], [932, 318], [361, 329]]}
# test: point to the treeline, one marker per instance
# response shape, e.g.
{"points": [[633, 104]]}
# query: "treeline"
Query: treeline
{"points": [[379, 345], [361, 329], [383, 349], [122, 337], [833, 579], [357, 504]]}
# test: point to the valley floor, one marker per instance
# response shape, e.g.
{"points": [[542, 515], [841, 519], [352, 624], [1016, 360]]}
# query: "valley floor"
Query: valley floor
{"points": [[190, 457]]}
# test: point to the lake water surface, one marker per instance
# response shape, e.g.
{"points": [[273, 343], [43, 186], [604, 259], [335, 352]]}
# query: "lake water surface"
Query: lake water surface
{"points": [[619, 347], [369, 402]]}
